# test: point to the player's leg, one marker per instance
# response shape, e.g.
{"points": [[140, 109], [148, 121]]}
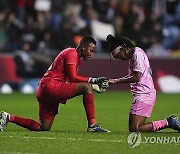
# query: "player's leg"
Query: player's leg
{"points": [[139, 112], [23, 122], [46, 124], [85, 89], [30, 124], [47, 113], [137, 124], [170, 122], [61, 92]]}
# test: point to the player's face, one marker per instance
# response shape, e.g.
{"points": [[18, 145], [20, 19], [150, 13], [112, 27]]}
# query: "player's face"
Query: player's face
{"points": [[120, 53], [89, 50]]}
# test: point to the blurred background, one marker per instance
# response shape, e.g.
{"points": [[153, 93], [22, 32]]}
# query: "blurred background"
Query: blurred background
{"points": [[33, 32]]}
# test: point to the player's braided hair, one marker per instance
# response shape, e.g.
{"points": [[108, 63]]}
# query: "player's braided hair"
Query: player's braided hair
{"points": [[117, 41], [114, 42]]}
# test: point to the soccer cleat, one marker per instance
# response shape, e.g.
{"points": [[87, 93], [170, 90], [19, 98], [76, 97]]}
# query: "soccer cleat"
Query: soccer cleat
{"points": [[97, 129], [4, 118], [173, 123]]}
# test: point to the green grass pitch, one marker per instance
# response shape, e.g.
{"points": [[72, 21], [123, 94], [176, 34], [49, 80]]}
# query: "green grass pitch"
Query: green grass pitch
{"points": [[68, 134]]}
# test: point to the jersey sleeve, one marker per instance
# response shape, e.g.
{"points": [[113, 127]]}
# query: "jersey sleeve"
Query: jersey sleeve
{"points": [[72, 57], [72, 64], [138, 62], [73, 75]]}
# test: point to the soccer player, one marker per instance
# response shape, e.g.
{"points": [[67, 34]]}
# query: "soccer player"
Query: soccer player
{"points": [[60, 83], [141, 86]]}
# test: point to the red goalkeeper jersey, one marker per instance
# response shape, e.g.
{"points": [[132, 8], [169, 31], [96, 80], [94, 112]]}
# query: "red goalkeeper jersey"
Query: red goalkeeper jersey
{"points": [[65, 67]]}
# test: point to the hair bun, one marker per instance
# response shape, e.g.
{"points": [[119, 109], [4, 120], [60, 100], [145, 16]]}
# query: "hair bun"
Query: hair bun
{"points": [[110, 38]]}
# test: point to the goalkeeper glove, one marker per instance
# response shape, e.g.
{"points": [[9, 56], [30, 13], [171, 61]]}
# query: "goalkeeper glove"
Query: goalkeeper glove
{"points": [[101, 87], [98, 81], [104, 85], [97, 88]]}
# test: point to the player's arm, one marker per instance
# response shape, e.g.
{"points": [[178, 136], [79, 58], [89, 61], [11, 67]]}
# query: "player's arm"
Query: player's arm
{"points": [[127, 79], [71, 69], [98, 84], [72, 74]]}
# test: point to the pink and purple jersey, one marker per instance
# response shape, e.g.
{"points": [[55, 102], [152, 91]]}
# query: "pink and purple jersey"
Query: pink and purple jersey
{"points": [[144, 89]]}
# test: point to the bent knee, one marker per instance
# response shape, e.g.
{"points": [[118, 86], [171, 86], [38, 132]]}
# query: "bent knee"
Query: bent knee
{"points": [[45, 129], [134, 129], [46, 124], [87, 88]]}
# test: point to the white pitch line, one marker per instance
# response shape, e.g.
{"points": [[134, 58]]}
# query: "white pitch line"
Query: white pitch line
{"points": [[71, 139], [94, 140], [28, 137], [5, 152]]}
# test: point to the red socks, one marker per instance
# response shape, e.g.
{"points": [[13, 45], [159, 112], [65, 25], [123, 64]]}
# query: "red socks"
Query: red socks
{"points": [[26, 123], [88, 102]]}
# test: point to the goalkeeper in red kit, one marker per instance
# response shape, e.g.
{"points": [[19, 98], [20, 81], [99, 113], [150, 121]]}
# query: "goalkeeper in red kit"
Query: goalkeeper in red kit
{"points": [[60, 83]]}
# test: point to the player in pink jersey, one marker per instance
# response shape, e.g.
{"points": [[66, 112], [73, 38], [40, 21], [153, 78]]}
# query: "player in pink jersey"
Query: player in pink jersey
{"points": [[60, 83], [141, 86]]}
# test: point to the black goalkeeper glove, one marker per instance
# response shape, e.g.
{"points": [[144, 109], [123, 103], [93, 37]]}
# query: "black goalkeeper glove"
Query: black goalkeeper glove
{"points": [[101, 87], [104, 85], [98, 81]]}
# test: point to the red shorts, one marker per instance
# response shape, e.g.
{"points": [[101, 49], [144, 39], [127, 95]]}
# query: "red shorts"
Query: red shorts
{"points": [[50, 93]]}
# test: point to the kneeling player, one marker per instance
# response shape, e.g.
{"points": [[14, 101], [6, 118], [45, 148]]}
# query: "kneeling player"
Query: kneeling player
{"points": [[60, 83], [142, 87]]}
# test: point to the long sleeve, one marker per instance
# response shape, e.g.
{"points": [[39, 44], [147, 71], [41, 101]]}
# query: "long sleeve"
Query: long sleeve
{"points": [[72, 74]]}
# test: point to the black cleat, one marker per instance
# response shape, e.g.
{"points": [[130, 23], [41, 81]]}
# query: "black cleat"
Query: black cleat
{"points": [[173, 123], [96, 128]]}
